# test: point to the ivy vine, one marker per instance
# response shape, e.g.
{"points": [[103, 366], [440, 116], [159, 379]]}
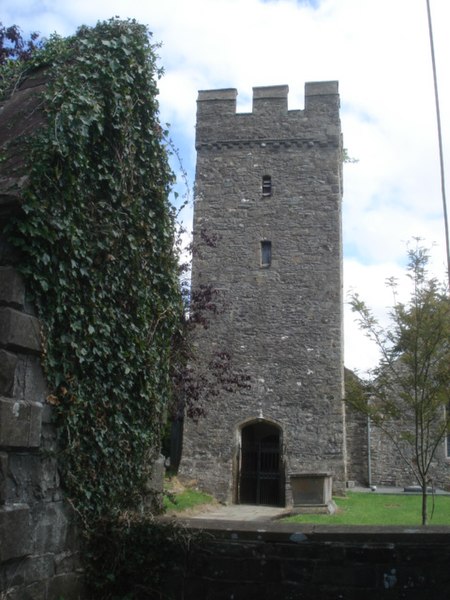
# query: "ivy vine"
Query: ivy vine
{"points": [[96, 234]]}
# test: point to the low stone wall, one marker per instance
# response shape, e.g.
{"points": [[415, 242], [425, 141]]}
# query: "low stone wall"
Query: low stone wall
{"points": [[254, 561]]}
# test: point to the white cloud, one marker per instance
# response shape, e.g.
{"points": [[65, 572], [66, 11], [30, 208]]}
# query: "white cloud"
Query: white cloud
{"points": [[377, 49], [369, 282]]}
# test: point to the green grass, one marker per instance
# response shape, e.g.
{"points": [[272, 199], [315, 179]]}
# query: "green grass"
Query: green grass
{"points": [[378, 509], [178, 498]]}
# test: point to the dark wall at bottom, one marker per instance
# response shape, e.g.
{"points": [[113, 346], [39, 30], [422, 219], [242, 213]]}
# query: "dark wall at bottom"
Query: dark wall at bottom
{"points": [[242, 561]]}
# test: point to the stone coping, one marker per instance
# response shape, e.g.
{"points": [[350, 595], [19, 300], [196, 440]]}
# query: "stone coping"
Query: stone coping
{"points": [[296, 532]]}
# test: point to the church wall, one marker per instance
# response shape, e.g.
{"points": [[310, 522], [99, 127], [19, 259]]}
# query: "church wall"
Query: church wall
{"points": [[357, 447], [390, 469]]}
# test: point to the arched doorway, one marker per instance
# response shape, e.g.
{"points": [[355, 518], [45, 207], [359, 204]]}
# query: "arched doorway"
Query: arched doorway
{"points": [[260, 475]]}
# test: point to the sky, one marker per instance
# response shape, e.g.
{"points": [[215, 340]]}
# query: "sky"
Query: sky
{"points": [[378, 50]]}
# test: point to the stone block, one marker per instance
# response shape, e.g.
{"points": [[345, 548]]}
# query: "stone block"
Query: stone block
{"points": [[19, 331], [29, 380], [8, 363], [66, 562], [54, 532], [20, 423], [3, 476], [15, 535], [67, 585], [8, 253], [47, 415], [35, 591], [156, 483], [12, 287], [32, 477], [32, 568], [311, 490]]}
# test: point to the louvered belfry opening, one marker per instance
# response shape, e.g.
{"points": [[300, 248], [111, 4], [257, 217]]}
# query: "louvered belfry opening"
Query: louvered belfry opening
{"points": [[261, 480]]}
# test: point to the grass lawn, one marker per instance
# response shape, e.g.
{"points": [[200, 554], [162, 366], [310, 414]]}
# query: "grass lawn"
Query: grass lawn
{"points": [[359, 508], [179, 498]]}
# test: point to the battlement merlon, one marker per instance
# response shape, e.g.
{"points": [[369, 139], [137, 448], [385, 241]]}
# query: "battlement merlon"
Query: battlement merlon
{"points": [[321, 92], [218, 122]]}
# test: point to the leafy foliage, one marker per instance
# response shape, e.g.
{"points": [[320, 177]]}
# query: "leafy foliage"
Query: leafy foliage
{"points": [[131, 558], [97, 235], [13, 45], [407, 395], [16, 54]]}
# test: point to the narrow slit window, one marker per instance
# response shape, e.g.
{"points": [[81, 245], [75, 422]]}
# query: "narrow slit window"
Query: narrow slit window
{"points": [[267, 185], [266, 253]]}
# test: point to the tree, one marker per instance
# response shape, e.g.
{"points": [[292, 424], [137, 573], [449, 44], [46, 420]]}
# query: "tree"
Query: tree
{"points": [[408, 393], [14, 46]]}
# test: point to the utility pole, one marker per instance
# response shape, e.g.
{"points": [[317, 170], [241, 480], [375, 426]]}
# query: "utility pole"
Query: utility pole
{"points": [[441, 151]]}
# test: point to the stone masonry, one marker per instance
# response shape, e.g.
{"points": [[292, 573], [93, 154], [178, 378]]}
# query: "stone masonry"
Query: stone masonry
{"points": [[268, 194], [288, 561], [38, 546]]}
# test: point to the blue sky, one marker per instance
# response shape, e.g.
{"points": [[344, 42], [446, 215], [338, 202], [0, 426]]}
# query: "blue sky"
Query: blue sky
{"points": [[379, 52]]}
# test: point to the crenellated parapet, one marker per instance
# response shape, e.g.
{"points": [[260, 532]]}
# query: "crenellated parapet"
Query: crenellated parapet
{"points": [[270, 122]]}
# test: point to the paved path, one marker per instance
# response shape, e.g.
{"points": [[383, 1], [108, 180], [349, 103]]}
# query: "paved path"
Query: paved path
{"points": [[234, 512]]}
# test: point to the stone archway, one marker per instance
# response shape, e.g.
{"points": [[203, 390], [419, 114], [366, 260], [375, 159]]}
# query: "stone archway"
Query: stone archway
{"points": [[260, 477]]}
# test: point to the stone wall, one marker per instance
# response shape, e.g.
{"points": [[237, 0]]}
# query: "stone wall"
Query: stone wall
{"points": [[38, 547], [245, 561], [357, 447], [389, 469], [39, 557], [280, 323], [373, 457]]}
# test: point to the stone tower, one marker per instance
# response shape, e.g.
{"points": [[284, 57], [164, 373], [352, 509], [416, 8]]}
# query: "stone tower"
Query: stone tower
{"points": [[268, 196]]}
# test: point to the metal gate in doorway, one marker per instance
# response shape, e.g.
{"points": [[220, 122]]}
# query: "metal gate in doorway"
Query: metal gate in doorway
{"points": [[260, 479]]}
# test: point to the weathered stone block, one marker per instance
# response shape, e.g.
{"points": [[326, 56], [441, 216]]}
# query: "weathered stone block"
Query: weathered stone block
{"points": [[54, 532], [12, 287], [66, 562], [311, 489], [31, 477], [47, 415], [36, 591], [19, 330], [67, 585], [8, 254], [33, 568], [8, 363], [156, 483], [29, 380], [15, 537], [3, 475], [20, 423]]}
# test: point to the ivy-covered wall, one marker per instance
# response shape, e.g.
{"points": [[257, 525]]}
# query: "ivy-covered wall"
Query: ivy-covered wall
{"points": [[88, 232], [39, 545]]}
